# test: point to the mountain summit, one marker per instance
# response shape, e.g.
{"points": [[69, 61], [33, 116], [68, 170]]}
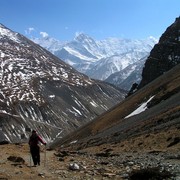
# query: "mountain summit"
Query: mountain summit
{"points": [[39, 91], [100, 58]]}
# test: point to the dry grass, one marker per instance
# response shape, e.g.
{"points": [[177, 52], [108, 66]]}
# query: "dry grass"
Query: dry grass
{"points": [[164, 87], [157, 141]]}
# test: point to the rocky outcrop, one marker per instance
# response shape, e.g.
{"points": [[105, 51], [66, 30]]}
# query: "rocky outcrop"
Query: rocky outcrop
{"points": [[164, 56]]}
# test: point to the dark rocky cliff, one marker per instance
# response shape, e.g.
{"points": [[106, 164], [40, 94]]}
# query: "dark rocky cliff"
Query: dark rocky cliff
{"points": [[164, 56]]}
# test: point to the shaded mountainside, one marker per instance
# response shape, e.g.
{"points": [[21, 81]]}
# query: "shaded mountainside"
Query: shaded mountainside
{"points": [[152, 109], [164, 55], [136, 139], [39, 91]]}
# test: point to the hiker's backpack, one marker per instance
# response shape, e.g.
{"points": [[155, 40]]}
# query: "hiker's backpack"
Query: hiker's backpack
{"points": [[33, 140]]}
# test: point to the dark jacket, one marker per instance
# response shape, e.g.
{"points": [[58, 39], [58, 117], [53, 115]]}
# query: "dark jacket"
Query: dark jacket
{"points": [[35, 139]]}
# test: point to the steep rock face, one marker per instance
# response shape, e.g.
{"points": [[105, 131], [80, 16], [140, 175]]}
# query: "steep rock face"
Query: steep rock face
{"points": [[39, 91], [164, 55]]}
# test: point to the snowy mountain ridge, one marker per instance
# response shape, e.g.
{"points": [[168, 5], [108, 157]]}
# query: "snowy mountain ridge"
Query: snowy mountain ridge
{"points": [[39, 91], [25, 70], [106, 56], [5, 32]]}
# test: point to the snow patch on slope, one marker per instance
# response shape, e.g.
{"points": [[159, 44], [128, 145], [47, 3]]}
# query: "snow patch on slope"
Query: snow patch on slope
{"points": [[140, 109]]}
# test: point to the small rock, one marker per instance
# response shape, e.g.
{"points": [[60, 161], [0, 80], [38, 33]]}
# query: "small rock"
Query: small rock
{"points": [[109, 174], [128, 169], [74, 167], [16, 159], [41, 174], [130, 163], [61, 159], [125, 175]]}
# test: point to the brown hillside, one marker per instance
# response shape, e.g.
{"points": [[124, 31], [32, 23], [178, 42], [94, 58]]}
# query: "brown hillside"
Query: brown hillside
{"points": [[164, 105]]}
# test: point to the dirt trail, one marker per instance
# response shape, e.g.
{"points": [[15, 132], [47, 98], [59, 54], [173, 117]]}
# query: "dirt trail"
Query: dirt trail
{"points": [[17, 169], [104, 162]]}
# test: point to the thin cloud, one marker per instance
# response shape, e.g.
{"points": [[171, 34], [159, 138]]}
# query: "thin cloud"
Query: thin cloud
{"points": [[44, 34], [29, 30]]}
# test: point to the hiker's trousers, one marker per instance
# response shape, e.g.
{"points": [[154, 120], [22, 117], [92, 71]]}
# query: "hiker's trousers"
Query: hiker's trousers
{"points": [[35, 153]]}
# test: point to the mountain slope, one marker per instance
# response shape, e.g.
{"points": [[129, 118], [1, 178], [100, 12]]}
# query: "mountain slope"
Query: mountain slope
{"points": [[154, 108], [39, 91]]}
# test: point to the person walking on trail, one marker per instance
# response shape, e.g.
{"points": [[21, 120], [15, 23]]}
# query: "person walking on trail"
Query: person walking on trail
{"points": [[34, 147]]}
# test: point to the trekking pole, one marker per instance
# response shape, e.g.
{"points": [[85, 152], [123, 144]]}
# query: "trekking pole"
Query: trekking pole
{"points": [[28, 130], [30, 156], [45, 157]]}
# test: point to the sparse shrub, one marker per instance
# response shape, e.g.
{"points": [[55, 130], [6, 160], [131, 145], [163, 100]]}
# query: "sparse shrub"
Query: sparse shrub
{"points": [[139, 144], [168, 139], [62, 154], [108, 150], [176, 141], [150, 174], [4, 142], [16, 159], [103, 154]]}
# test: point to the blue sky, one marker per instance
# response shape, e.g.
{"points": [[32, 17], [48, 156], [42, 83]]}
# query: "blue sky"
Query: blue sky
{"points": [[61, 19]]}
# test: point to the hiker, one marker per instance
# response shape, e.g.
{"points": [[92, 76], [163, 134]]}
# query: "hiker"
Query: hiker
{"points": [[34, 147]]}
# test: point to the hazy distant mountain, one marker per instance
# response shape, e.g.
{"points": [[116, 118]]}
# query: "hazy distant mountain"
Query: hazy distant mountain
{"points": [[100, 59], [39, 91], [129, 75], [49, 43]]}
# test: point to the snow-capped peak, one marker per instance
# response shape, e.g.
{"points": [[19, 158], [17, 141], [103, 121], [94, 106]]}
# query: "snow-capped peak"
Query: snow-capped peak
{"points": [[49, 43], [88, 55], [6, 33], [83, 38]]}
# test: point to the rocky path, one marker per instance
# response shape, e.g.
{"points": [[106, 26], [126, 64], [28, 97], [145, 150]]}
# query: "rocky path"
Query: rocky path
{"points": [[89, 164], [16, 163]]}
